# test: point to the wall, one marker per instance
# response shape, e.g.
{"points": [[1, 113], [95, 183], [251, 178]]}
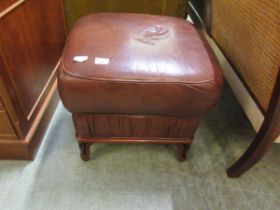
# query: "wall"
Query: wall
{"points": [[75, 9]]}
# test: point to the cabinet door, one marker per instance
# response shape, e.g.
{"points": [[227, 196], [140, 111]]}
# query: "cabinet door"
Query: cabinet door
{"points": [[6, 129], [32, 36], [5, 4]]}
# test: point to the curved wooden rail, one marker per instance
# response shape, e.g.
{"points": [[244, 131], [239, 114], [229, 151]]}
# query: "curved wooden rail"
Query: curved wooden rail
{"points": [[266, 136]]}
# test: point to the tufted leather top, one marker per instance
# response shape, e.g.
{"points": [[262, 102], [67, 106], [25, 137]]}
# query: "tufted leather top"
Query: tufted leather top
{"points": [[138, 64]]}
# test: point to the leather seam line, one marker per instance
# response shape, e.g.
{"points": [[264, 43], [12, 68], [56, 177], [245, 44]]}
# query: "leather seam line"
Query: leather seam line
{"points": [[137, 80]]}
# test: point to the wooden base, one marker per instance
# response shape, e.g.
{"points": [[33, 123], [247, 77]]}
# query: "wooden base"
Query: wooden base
{"points": [[26, 149], [133, 129], [183, 144]]}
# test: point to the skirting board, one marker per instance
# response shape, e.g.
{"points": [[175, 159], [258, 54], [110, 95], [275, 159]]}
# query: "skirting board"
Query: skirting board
{"points": [[248, 104], [26, 149]]}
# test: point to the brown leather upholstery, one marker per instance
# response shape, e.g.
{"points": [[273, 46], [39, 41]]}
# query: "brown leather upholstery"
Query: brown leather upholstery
{"points": [[148, 79], [158, 65]]}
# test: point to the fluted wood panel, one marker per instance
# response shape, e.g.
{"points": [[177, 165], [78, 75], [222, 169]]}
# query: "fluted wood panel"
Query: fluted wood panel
{"points": [[89, 125]]}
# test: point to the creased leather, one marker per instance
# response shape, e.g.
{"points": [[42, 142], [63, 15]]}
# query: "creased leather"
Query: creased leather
{"points": [[152, 34]]}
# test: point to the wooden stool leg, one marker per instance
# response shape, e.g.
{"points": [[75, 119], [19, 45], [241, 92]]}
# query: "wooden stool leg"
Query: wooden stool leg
{"points": [[181, 152], [84, 151]]}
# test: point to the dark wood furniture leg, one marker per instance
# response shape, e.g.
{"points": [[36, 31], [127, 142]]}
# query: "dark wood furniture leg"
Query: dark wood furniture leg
{"points": [[84, 151], [181, 153], [85, 143], [268, 133]]}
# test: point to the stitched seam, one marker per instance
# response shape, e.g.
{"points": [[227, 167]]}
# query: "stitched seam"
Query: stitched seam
{"points": [[140, 80], [131, 79]]}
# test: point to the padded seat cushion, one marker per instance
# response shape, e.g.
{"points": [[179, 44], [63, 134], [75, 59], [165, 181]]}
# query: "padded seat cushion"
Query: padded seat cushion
{"points": [[138, 64]]}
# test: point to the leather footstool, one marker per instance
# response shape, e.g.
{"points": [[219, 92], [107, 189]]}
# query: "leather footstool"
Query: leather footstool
{"points": [[135, 78]]}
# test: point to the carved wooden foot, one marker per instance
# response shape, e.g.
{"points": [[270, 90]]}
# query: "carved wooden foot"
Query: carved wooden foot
{"points": [[84, 151], [181, 152]]}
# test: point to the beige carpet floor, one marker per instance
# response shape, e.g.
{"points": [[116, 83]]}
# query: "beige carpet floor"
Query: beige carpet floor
{"points": [[144, 177]]}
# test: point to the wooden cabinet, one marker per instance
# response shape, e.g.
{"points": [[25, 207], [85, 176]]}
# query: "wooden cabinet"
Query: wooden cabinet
{"points": [[76, 9], [6, 128], [32, 36]]}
